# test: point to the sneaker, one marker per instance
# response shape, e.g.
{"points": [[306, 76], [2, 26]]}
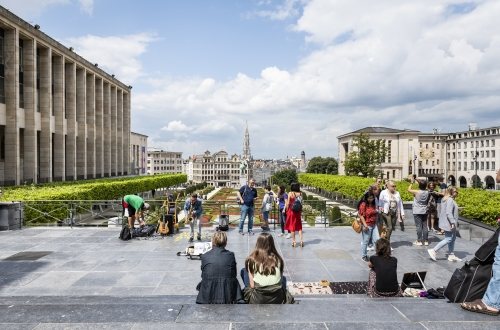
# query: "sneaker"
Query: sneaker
{"points": [[432, 254], [198, 238], [392, 249], [365, 259], [452, 257], [417, 243], [191, 239], [241, 233], [426, 243], [288, 235], [281, 235], [250, 233], [370, 248]]}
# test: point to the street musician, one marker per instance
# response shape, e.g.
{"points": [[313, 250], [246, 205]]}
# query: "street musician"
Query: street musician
{"points": [[193, 209]]}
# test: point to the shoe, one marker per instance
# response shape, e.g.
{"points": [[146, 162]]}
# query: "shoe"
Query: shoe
{"points": [[370, 248], [241, 233], [432, 254], [365, 259], [452, 257], [392, 249], [301, 244], [281, 235], [478, 306], [251, 233], [294, 244], [198, 238], [288, 236], [426, 243], [417, 243], [191, 239]]}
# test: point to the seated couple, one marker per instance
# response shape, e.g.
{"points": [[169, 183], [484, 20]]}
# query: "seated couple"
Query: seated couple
{"points": [[383, 278], [262, 275]]}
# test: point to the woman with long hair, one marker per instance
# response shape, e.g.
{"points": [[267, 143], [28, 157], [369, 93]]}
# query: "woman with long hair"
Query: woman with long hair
{"points": [[448, 221], [282, 197], [368, 214], [383, 278], [263, 273], [294, 217]]}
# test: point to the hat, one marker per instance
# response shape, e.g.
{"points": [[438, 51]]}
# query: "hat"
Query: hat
{"points": [[146, 206]]}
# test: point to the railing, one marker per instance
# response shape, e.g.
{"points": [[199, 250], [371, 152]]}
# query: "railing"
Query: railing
{"points": [[110, 212]]}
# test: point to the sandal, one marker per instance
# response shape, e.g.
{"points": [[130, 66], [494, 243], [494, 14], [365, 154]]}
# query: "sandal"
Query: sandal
{"points": [[479, 307], [294, 244], [301, 244]]}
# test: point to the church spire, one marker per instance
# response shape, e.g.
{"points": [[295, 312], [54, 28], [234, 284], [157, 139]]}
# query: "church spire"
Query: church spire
{"points": [[246, 145]]}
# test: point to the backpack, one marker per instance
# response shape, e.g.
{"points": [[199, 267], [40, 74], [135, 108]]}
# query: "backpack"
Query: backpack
{"points": [[145, 231], [125, 234], [223, 223], [297, 204], [269, 203]]}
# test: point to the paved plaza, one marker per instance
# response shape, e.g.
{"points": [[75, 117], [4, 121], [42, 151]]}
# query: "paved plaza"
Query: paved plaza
{"points": [[86, 278]]}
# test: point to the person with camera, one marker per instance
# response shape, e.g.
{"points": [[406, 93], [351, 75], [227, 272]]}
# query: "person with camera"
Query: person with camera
{"points": [[246, 198], [193, 208]]}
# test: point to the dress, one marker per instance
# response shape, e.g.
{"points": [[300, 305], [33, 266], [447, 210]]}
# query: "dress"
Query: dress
{"points": [[293, 218]]}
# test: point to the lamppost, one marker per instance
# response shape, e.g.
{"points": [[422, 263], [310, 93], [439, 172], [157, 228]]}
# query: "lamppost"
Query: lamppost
{"points": [[475, 183]]}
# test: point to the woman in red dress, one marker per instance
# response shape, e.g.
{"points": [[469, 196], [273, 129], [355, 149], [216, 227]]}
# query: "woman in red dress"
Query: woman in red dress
{"points": [[294, 218]]}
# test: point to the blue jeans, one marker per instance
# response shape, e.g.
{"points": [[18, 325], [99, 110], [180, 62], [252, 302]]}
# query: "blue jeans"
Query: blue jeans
{"points": [[282, 217], [492, 295], [244, 211], [246, 279], [366, 236], [449, 238]]}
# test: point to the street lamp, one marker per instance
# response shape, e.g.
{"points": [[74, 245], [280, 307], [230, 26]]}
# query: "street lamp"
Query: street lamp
{"points": [[475, 183]]}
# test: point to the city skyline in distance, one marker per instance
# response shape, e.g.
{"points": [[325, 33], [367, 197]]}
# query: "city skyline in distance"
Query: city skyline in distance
{"points": [[301, 73]]}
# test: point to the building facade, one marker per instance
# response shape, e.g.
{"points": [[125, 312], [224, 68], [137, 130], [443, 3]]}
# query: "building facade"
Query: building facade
{"points": [[218, 169], [138, 153], [461, 158], [163, 162], [61, 117]]}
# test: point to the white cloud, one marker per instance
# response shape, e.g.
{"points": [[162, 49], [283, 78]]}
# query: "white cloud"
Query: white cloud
{"points": [[87, 6], [420, 65], [33, 8], [119, 55], [288, 9], [176, 126]]}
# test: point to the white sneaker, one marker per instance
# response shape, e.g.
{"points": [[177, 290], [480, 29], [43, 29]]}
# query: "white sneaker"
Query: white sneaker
{"points": [[392, 249], [417, 243], [432, 254], [288, 235], [452, 257], [281, 234]]}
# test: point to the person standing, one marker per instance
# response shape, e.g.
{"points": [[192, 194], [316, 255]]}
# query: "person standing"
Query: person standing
{"points": [[282, 198], [368, 213], [293, 215], [266, 207], [490, 304], [136, 208], [442, 189], [419, 209], [448, 220], [432, 212], [391, 208], [246, 197], [193, 208]]}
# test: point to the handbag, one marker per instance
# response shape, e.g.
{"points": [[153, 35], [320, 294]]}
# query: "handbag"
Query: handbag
{"points": [[356, 226]]}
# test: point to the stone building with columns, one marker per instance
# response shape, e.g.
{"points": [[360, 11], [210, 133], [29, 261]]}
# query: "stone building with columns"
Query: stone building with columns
{"points": [[62, 118]]}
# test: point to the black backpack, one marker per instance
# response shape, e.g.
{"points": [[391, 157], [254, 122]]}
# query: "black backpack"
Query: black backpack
{"points": [[144, 231], [297, 204], [125, 234]]}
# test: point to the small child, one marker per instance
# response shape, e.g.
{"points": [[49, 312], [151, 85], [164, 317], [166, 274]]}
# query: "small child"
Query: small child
{"points": [[383, 278]]}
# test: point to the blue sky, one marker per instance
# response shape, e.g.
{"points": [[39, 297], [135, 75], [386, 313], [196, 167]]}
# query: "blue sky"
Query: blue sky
{"points": [[300, 72]]}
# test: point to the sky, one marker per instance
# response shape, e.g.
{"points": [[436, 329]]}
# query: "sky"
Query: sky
{"points": [[299, 73]]}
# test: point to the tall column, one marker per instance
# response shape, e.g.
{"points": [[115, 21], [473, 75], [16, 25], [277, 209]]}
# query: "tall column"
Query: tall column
{"points": [[11, 49], [45, 148], [59, 116], [98, 128], [114, 132], [81, 119], [107, 128], [119, 131], [70, 104], [30, 150], [126, 133], [90, 126]]}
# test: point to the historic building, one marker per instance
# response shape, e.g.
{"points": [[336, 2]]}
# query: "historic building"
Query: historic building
{"points": [[138, 153], [61, 117], [462, 158], [218, 169], [162, 162]]}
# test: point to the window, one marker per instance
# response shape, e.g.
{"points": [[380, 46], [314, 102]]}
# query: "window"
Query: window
{"points": [[487, 154], [437, 146], [465, 166], [465, 145], [2, 142], [459, 166], [482, 143], [487, 143], [493, 165], [437, 161], [482, 165], [487, 165], [21, 73], [493, 155], [2, 67], [492, 143]]}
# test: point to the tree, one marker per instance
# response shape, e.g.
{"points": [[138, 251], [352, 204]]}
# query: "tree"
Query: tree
{"points": [[367, 156], [320, 165], [285, 177]]}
